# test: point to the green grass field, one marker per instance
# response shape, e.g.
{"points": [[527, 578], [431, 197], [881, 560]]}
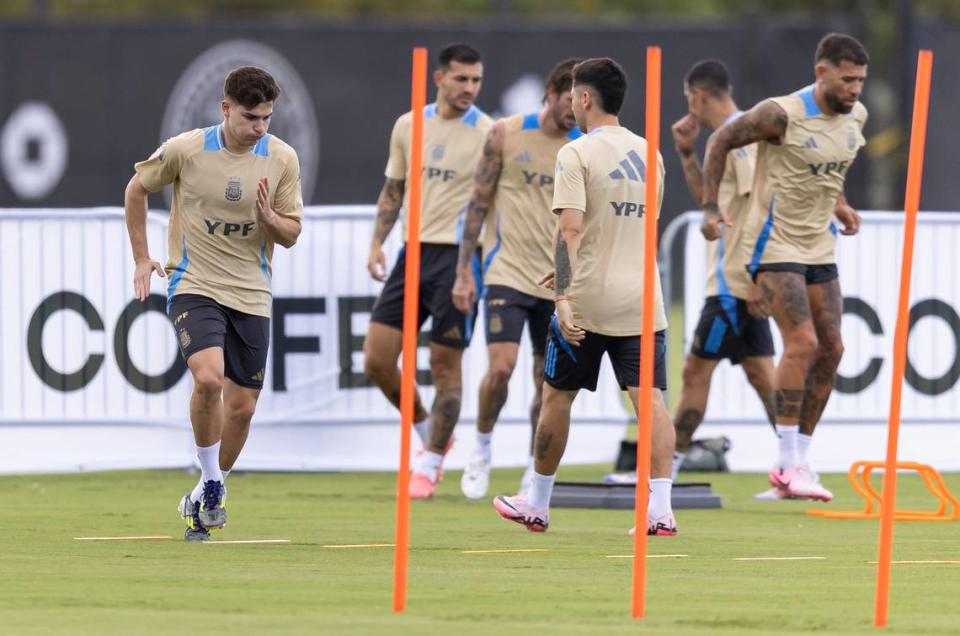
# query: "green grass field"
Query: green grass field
{"points": [[53, 584]]}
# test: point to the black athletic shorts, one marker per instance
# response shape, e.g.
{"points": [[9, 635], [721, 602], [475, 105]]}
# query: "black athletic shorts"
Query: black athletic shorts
{"points": [[438, 272], [727, 330], [813, 274], [506, 311], [202, 322], [570, 368]]}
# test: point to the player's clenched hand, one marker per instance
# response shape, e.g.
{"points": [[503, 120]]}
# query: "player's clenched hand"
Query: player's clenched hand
{"points": [[142, 272], [757, 305], [377, 264], [685, 132], [571, 333], [547, 280], [464, 292], [713, 224], [849, 217]]}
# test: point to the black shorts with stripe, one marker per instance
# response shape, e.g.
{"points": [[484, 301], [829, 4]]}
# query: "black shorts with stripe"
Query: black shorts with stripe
{"points": [[438, 272], [727, 330], [570, 368], [506, 311], [201, 322]]}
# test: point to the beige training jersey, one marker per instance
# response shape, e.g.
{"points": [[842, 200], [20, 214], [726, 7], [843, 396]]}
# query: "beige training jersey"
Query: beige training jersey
{"points": [[603, 174], [518, 239], [451, 150], [797, 183], [216, 248], [727, 257]]}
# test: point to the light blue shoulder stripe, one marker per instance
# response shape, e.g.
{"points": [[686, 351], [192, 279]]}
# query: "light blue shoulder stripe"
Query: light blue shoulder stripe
{"points": [[211, 139], [262, 147], [531, 122], [810, 107]]}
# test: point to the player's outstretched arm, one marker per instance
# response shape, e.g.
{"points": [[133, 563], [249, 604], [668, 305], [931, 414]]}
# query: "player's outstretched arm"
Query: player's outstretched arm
{"points": [[135, 211], [566, 246], [766, 121], [484, 189], [388, 209], [281, 229]]}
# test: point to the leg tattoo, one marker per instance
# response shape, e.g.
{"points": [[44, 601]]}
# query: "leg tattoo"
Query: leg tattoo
{"points": [[446, 412]]}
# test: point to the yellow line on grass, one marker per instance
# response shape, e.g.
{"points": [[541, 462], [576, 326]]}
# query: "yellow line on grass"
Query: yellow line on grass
{"points": [[361, 545], [503, 551], [649, 556], [919, 562], [146, 538], [247, 541], [791, 558]]}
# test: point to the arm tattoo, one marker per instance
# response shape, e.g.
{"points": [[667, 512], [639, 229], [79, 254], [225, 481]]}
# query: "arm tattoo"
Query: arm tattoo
{"points": [[764, 122], [564, 274], [388, 208], [484, 187], [694, 176]]}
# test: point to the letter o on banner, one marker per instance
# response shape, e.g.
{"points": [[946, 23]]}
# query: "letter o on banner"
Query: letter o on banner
{"points": [[33, 151], [935, 308]]}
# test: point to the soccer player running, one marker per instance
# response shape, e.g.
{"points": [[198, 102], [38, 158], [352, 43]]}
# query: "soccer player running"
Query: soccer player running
{"points": [[236, 193], [733, 322], [453, 133], [806, 144], [598, 198], [515, 179]]}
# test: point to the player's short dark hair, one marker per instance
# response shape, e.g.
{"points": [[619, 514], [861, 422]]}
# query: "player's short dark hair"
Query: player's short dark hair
{"points": [[561, 77], [249, 86], [840, 47], [607, 79], [458, 52], [710, 75]]}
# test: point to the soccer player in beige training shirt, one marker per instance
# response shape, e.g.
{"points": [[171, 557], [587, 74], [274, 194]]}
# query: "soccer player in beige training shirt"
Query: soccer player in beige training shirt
{"points": [[453, 133], [236, 192], [514, 181], [807, 142], [599, 201], [733, 323]]}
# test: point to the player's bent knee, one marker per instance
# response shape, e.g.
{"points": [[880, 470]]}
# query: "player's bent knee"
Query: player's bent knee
{"points": [[695, 371], [801, 344], [208, 383]]}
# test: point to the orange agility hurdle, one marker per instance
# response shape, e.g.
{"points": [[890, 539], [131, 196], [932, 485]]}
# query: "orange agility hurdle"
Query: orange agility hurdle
{"points": [[948, 506]]}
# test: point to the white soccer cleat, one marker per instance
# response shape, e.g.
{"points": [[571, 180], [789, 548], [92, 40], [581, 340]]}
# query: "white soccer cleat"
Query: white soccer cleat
{"points": [[476, 477]]}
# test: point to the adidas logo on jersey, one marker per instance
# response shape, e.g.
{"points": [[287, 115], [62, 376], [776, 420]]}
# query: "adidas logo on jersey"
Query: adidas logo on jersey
{"points": [[523, 157], [810, 143], [633, 169]]}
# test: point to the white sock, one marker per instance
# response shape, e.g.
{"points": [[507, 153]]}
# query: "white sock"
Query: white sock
{"points": [[423, 430], [678, 458], [788, 445], [209, 457], [430, 464], [661, 490], [540, 491], [224, 473], [484, 445], [803, 445]]}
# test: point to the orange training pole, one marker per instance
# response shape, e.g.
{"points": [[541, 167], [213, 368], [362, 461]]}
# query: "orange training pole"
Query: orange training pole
{"points": [[411, 293], [645, 411], [911, 204]]}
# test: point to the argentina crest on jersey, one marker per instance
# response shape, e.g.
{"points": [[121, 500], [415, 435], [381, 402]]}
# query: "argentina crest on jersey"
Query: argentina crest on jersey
{"points": [[233, 191]]}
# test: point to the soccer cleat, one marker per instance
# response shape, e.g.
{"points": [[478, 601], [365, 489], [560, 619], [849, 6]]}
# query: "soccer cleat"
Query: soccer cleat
{"points": [[476, 477], [421, 486], [189, 512], [443, 456], [799, 483], [517, 510], [773, 493], [662, 526], [213, 513]]}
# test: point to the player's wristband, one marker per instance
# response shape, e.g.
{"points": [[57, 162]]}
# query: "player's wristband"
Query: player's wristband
{"points": [[559, 298]]}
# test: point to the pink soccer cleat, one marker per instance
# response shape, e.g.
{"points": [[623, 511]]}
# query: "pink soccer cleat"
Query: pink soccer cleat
{"points": [[517, 509], [421, 486], [662, 526], [799, 483]]}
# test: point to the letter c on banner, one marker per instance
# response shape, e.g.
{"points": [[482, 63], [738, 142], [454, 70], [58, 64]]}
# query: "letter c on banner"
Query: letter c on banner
{"points": [[859, 382], [33, 151], [136, 377], [50, 376]]}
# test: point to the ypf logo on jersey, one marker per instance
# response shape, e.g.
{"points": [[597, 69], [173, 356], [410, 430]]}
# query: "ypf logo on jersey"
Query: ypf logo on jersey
{"points": [[195, 102]]}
